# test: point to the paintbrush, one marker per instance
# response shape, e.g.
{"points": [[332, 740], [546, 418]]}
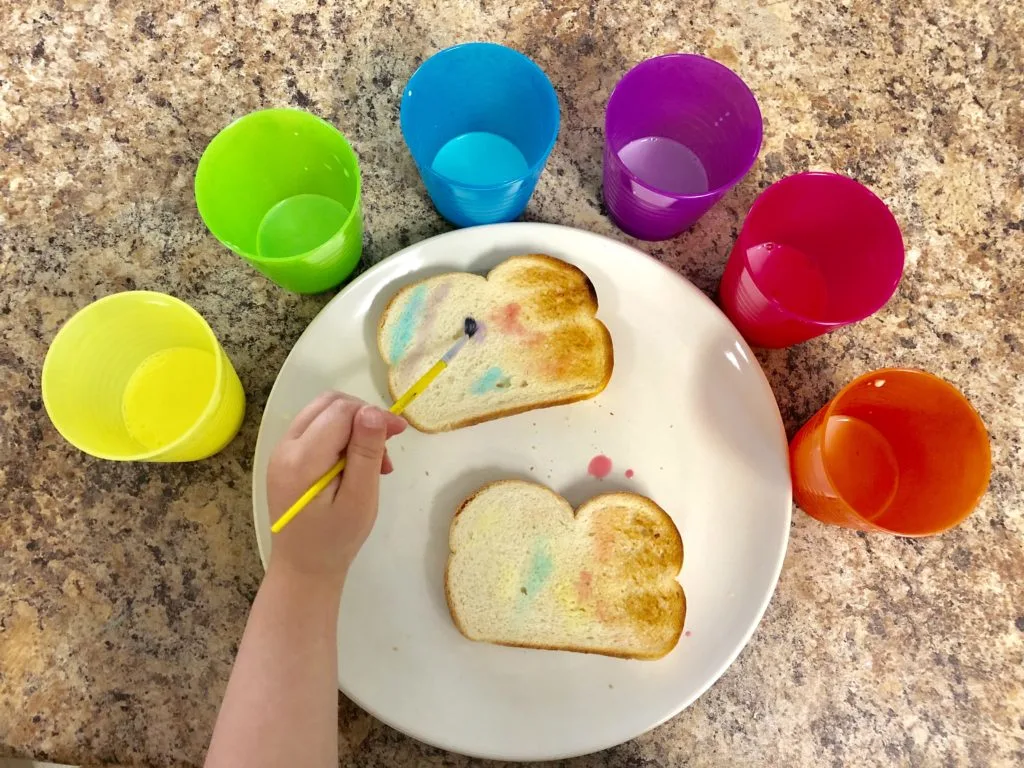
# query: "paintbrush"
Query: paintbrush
{"points": [[417, 389]]}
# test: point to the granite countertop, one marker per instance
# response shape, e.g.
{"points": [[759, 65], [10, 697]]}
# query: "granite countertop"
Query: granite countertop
{"points": [[124, 588]]}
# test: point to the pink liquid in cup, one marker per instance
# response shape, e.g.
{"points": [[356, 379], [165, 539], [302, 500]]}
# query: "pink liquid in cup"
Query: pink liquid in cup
{"points": [[791, 276], [817, 251]]}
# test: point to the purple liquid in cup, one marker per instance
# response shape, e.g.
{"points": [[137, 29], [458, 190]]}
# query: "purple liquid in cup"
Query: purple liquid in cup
{"points": [[680, 131], [665, 164]]}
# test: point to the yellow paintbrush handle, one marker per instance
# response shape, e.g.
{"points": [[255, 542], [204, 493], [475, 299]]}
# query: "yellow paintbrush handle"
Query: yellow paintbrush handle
{"points": [[400, 405], [416, 389], [308, 496]]}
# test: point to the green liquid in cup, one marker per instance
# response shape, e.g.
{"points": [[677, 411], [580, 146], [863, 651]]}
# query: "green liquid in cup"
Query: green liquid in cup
{"points": [[298, 224]]}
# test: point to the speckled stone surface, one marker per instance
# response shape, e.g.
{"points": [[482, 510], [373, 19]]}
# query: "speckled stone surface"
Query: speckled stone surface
{"points": [[124, 589]]}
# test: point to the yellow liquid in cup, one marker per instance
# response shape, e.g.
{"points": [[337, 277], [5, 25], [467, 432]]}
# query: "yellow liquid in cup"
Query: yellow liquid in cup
{"points": [[167, 394]]}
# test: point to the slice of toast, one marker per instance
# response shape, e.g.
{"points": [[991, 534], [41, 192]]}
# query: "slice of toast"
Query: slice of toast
{"points": [[538, 342], [525, 570]]}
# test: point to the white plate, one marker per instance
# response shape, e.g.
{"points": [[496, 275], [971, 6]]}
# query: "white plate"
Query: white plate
{"points": [[688, 410]]}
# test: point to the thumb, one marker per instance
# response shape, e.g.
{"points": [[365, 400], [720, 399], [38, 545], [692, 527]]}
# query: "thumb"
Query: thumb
{"points": [[360, 483]]}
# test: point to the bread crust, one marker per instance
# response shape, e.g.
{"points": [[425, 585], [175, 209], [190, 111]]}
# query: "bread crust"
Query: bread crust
{"points": [[676, 562], [575, 397]]}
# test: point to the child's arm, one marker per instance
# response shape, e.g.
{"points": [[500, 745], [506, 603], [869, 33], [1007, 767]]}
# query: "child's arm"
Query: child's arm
{"points": [[281, 703]]}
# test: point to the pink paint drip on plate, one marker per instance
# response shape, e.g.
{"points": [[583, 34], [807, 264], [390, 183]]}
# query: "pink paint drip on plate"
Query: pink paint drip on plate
{"points": [[600, 467]]}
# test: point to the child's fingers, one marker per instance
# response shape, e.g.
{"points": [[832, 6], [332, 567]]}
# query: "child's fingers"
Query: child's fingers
{"points": [[360, 483], [306, 416], [395, 424], [386, 467], [325, 439]]}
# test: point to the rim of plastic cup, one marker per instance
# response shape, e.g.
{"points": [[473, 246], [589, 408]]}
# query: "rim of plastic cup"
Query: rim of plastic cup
{"points": [[857, 316], [552, 94], [298, 256], [721, 187], [960, 396], [211, 404]]}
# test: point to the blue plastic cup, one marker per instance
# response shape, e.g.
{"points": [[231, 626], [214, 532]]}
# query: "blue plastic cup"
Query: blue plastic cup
{"points": [[480, 120]]}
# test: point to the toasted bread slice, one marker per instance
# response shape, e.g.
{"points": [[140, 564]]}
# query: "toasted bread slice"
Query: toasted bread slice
{"points": [[538, 342], [524, 570]]}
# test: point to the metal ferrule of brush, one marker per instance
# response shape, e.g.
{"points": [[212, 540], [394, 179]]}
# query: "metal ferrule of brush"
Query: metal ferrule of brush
{"points": [[451, 353]]}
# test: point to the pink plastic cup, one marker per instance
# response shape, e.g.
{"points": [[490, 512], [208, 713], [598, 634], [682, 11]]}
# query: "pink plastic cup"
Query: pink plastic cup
{"points": [[817, 251]]}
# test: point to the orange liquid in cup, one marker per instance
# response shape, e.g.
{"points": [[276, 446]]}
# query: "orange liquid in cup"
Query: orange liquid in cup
{"points": [[861, 464], [896, 450]]}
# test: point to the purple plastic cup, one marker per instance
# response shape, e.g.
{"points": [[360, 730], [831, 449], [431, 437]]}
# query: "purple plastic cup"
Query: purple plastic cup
{"points": [[680, 131]]}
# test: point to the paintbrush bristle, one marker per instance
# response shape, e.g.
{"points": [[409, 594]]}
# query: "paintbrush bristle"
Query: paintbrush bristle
{"points": [[470, 326]]}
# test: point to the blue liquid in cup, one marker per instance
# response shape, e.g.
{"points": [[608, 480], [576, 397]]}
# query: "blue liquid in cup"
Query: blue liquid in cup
{"points": [[480, 159]]}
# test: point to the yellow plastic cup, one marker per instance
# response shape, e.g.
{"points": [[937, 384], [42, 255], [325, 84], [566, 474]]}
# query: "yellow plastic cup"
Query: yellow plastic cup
{"points": [[140, 376]]}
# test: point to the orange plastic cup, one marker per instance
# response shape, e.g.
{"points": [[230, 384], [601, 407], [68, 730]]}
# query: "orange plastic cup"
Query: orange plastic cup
{"points": [[897, 450]]}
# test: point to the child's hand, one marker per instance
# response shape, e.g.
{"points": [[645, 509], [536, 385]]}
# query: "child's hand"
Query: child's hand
{"points": [[324, 538]]}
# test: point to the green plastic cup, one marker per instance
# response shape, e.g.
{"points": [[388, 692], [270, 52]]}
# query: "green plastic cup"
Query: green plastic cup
{"points": [[280, 188]]}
